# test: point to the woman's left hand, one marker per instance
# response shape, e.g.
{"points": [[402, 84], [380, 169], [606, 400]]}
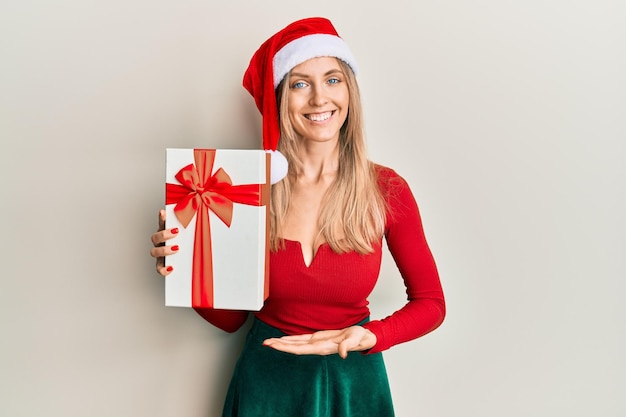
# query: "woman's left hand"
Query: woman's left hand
{"points": [[326, 342]]}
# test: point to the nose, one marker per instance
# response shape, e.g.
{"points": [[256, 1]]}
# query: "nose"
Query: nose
{"points": [[318, 95]]}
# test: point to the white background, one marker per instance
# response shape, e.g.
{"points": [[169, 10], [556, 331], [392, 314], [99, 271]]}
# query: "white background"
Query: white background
{"points": [[506, 117]]}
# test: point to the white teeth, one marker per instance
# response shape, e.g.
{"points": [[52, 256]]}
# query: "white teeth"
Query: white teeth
{"points": [[319, 117]]}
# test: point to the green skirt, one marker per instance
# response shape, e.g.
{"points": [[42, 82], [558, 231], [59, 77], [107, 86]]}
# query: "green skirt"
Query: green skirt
{"points": [[270, 383]]}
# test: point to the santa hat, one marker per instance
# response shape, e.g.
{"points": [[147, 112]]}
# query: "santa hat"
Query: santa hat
{"points": [[298, 42]]}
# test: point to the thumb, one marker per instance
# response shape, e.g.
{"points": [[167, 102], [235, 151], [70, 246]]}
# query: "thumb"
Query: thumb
{"points": [[347, 344]]}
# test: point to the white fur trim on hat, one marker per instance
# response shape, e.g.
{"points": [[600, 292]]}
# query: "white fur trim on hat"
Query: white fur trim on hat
{"points": [[278, 166], [307, 47]]}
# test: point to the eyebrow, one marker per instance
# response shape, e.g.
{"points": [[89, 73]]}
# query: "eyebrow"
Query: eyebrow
{"points": [[329, 72]]}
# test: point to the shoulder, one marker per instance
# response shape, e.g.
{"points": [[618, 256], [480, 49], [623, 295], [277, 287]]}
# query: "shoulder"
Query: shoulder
{"points": [[389, 181], [399, 200]]}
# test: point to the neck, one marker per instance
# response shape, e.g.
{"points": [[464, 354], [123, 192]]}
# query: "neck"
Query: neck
{"points": [[319, 160]]}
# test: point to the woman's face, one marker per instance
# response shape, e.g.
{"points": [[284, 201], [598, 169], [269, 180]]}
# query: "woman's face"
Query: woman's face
{"points": [[318, 99]]}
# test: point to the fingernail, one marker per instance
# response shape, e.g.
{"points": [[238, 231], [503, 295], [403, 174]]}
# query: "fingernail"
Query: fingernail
{"points": [[175, 248], [170, 268], [174, 230]]}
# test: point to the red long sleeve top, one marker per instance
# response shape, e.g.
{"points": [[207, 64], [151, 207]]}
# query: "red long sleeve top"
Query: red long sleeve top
{"points": [[331, 293]]}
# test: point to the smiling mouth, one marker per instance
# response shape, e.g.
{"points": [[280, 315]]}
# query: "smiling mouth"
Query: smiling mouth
{"points": [[319, 117]]}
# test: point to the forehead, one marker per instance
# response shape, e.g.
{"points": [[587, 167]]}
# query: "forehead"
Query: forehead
{"points": [[319, 65]]}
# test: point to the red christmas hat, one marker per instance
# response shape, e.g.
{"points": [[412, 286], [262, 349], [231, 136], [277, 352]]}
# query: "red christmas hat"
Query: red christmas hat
{"points": [[298, 42]]}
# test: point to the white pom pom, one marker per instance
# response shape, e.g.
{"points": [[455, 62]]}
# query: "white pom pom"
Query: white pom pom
{"points": [[278, 169]]}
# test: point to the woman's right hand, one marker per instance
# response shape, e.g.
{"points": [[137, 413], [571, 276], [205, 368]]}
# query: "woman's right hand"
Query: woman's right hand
{"points": [[160, 250]]}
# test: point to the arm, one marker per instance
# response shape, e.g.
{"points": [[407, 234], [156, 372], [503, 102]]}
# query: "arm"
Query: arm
{"points": [[425, 309], [228, 320]]}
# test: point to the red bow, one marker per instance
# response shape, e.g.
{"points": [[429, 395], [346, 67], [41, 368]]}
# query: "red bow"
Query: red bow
{"points": [[197, 193]]}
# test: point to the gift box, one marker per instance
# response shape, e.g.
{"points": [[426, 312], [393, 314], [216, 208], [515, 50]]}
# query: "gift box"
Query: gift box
{"points": [[219, 201]]}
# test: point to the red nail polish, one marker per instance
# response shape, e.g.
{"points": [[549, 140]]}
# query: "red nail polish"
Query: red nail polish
{"points": [[175, 248], [170, 268], [174, 230]]}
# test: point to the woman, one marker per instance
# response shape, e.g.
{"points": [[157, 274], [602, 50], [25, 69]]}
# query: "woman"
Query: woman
{"points": [[312, 349]]}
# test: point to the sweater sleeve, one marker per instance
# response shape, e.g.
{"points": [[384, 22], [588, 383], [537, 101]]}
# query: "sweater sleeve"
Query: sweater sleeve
{"points": [[228, 320], [425, 309]]}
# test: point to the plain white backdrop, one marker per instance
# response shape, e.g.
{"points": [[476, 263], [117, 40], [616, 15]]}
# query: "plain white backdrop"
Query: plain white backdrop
{"points": [[507, 118]]}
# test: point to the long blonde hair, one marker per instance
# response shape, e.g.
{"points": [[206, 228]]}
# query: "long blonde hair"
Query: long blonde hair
{"points": [[353, 209]]}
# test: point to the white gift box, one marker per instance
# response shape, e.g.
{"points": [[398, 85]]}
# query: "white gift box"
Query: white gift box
{"points": [[219, 201]]}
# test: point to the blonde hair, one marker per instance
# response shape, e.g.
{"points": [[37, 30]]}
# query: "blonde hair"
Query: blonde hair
{"points": [[353, 209]]}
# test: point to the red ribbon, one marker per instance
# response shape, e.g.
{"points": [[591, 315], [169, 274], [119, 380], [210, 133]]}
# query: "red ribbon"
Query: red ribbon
{"points": [[197, 193]]}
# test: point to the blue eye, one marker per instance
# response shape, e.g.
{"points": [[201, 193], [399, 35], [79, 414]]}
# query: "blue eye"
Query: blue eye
{"points": [[298, 84], [333, 81]]}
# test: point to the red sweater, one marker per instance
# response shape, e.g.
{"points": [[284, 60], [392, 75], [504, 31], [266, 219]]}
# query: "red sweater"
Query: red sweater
{"points": [[332, 292]]}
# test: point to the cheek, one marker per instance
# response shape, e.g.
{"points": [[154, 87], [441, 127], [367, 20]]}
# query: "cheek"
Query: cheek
{"points": [[293, 115], [294, 119], [344, 103], [342, 98], [294, 105], [346, 98]]}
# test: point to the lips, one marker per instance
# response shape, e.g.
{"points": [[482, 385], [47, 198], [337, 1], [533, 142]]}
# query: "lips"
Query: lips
{"points": [[319, 117]]}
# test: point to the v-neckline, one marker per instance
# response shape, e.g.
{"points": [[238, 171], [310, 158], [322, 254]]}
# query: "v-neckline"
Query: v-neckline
{"points": [[299, 244]]}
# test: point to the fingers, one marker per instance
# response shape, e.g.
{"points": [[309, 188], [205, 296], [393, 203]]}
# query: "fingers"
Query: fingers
{"points": [[161, 219], [159, 238], [162, 235], [320, 343], [160, 260], [355, 338], [301, 338], [162, 269], [347, 345], [316, 337], [325, 347], [161, 251]]}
